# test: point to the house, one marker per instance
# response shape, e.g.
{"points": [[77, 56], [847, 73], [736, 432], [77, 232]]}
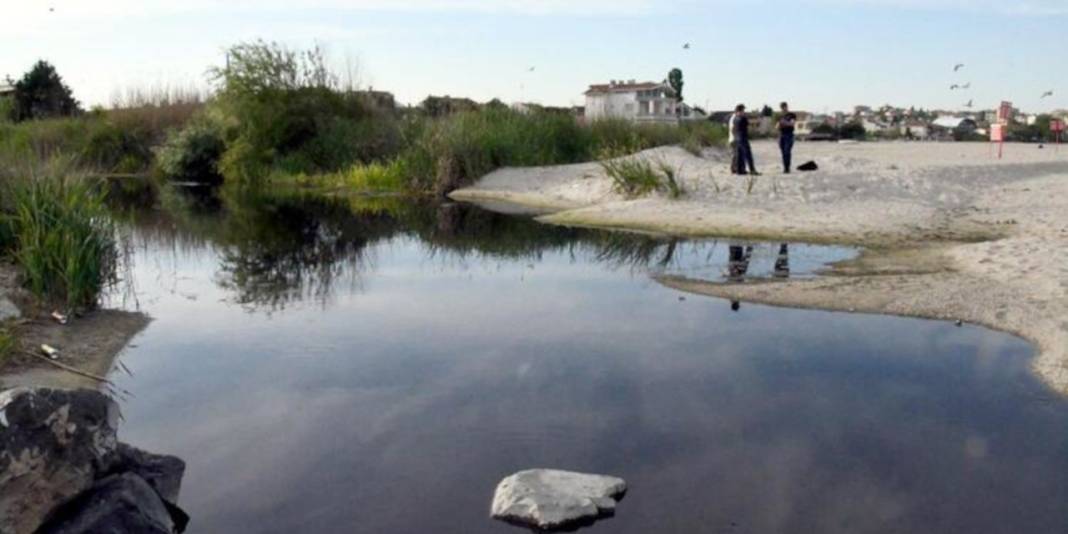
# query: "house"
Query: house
{"points": [[638, 102], [914, 129], [6, 89], [952, 127], [807, 124]]}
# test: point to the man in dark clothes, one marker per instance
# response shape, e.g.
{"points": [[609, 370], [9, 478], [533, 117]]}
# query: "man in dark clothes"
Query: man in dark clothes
{"points": [[787, 123], [739, 135]]}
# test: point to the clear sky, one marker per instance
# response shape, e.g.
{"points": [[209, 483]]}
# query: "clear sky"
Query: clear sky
{"points": [[821, 55]]}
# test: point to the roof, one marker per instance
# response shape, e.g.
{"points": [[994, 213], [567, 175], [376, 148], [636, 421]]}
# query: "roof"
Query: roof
{"points": [[951, 122], [5, 88], [625, 87]]}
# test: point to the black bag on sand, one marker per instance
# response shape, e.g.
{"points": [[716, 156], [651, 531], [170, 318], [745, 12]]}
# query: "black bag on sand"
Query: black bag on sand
{"points": [[810, 166]]}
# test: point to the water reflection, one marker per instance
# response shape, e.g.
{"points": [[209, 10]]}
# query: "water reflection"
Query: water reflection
{"points": [[277, 250], [477, 345]]}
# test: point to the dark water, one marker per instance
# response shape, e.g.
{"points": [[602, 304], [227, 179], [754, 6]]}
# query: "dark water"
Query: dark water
{"points": [[372, 367]]}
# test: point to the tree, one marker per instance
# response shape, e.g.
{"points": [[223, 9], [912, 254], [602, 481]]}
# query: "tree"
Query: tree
{"points": [[767, 111], [676, 83], [41, 93]]}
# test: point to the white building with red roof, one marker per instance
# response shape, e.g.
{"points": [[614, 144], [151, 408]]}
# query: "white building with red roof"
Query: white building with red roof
{"points": [[636, 101]]}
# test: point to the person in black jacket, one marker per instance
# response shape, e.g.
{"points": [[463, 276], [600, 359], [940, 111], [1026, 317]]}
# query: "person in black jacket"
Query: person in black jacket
{"points": [[739, 135], [787, 123]]}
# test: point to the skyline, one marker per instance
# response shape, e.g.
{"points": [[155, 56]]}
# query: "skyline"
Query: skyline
{"points": [[822, 55]]}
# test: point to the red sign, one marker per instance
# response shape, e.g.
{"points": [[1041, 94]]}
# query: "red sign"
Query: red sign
{"points": [[1056, 125], [997, 133]]}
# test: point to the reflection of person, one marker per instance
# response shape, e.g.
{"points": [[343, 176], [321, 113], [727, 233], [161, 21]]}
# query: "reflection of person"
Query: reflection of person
{"points": [[738, 262], [741, 150], [786, 135], [782, 263]]}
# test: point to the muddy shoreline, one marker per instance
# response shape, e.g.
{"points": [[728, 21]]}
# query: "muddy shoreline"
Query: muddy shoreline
{"points": [[951, 235], [89, 343]]}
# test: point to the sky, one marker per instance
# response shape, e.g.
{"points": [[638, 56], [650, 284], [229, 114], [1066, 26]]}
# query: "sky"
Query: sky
{"points": [[821, 55]]}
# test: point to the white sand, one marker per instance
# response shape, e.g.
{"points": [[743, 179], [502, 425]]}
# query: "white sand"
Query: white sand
{"points": [[953, 233]]}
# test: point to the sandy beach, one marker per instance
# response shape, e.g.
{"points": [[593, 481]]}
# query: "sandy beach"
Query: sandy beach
{"points": [[948, 231]]}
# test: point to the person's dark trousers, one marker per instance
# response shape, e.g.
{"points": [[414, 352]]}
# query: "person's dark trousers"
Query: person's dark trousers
{"points": [[737, 162], [786, 145], [745, 152]]}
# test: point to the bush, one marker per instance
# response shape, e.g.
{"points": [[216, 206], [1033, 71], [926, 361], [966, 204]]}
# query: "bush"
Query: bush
{"points": [[192, 153], [94, 141], [632, 176], [63, 239]]}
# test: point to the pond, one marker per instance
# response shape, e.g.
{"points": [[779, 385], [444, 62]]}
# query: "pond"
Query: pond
{"points": [[376, 366]]}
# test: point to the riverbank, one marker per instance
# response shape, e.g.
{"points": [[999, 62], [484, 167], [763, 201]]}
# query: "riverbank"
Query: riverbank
{"points": [[950, 232], [88, 343]]}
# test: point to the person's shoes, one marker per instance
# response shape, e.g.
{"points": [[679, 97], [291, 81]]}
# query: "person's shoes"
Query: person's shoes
{"points": [[787, 171]]}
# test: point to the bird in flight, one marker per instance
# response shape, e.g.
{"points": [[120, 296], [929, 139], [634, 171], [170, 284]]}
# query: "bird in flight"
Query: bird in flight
{"points": [[954, 87], [531, 69], [969, 104], [966, 86], [958, 66], [1047, 93], [686, 46]]}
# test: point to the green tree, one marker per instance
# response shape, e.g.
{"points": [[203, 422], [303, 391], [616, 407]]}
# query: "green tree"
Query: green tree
{"points": [[676, 83], [41, 93]]}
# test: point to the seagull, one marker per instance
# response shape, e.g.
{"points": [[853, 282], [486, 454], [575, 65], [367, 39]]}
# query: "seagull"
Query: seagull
{"points": [[686, 46], [954, 87], [966, 86], [531, 69], [1047, 93], [958, 66], [969, 104]]}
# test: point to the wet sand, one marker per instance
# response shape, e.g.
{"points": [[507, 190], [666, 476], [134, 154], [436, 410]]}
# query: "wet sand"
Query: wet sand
{"points": [[949, 231], [88, 343]]}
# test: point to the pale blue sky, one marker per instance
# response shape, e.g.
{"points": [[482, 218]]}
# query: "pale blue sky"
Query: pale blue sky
{"points": [[818, 54]]}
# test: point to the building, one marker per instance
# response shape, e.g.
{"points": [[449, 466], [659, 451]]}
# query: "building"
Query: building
{"points": [[639, 102], [6, 89], [914, 129], [951, 127]]}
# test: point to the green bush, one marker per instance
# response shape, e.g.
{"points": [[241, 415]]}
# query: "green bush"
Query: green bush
{"points": [[63, 239], [192, 153], [633, 176], [96, 143]]}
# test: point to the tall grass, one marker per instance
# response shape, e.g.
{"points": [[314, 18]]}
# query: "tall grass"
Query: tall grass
{"points": [[62, 238], [634, 177]]}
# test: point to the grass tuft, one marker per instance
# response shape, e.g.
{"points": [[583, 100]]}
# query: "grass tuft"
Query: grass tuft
{"points": [[62, 238]]}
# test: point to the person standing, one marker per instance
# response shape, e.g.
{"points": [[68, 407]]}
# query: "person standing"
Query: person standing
{"points": [[742, 150], [787, 125]]}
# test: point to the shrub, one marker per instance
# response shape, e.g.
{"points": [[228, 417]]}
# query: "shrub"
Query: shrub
{"points": [[192, 153], [632, 176], [63, 240]]}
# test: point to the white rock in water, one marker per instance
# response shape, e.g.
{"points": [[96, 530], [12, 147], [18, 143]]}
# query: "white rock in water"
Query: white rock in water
{"points": [[547, 498]]}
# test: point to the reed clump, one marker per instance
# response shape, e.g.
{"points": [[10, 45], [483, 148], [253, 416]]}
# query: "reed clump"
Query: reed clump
{"points": [[58, 231]]}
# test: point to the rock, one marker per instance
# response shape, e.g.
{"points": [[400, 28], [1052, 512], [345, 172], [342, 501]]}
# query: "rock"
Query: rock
{"points": [[53, 443], [551, 499], [8, 310], [163, 473], [117, 504]]}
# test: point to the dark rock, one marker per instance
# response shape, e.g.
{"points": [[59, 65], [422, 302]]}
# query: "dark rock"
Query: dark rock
{"points": [[53, 443], [163, 473], [118, 504]]}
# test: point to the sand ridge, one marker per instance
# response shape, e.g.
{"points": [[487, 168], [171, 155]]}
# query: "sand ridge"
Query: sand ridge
{"points": [[950, 232]]}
